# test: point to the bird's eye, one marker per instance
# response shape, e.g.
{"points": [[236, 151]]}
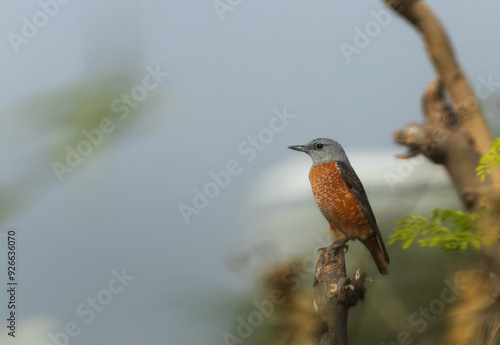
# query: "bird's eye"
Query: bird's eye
{"points": [[319, 146]]}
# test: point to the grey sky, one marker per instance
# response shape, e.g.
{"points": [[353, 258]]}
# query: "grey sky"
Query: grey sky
{"points": [[119, 209]]}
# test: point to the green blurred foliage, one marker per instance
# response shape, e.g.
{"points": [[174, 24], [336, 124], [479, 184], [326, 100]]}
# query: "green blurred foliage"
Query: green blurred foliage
{"points": [[447, 228], [39, 130], [452, 230], [489, 160]]}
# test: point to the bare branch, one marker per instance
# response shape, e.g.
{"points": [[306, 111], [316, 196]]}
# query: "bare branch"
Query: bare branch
{"points": [[447, 68], [334, 293], [456, 135]]}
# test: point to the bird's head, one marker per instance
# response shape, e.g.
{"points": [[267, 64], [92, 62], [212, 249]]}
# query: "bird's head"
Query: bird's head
{"points": [[322, 150]]}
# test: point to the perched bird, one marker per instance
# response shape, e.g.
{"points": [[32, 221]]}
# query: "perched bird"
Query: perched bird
{"points": [[342, 198]]}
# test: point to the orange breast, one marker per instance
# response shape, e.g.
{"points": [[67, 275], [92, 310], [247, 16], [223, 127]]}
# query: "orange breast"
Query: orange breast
{"points": [[336, 202]]}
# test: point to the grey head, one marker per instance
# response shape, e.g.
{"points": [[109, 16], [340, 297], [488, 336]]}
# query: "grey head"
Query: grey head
{"points": [[323, 150]]}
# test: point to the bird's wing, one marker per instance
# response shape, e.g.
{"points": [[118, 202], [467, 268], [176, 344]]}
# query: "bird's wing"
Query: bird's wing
{"points": [[354, 185]]}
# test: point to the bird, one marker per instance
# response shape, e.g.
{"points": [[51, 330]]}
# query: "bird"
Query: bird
{"points": [[342, 199]]}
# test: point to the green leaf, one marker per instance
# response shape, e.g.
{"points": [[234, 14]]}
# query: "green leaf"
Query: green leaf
{"points": [[407, 243], [490, 160], [446, 228]]}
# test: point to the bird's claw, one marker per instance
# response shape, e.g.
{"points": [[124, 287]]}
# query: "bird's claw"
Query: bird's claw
{"points": [[338, 244], [321, 249]]}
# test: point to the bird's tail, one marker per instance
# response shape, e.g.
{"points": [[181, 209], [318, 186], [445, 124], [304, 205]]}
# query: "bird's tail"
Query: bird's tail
{"points": [[380, 256]]}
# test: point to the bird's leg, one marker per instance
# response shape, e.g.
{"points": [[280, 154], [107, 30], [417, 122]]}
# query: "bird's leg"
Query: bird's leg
{"points": [[339, 244], [341, 238]]}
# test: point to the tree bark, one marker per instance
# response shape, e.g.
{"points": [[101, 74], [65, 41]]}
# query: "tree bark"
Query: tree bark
{"points": [[334, 293], [450, 74], [456, 135]]}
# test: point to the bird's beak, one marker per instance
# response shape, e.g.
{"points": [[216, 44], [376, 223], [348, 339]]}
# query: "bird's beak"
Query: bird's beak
{"points": [[298, 148]]}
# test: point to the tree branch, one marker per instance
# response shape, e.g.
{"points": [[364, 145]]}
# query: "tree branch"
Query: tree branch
{"points": [[334, 293], [456, 135], [442, 140], [448, 70]]}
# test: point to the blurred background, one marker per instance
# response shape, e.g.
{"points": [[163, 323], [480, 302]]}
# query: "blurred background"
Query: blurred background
{"points": [[145, 169]]}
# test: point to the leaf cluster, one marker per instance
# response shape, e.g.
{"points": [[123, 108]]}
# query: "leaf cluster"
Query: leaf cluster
{"points": [[489, 160], [447, 228]]}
